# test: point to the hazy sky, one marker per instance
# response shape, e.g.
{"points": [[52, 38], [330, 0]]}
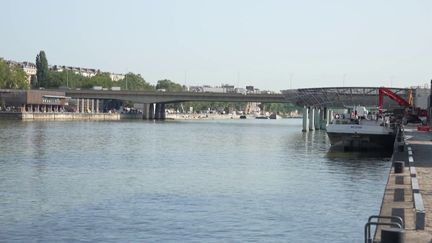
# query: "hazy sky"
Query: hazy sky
{"points": [[263, 43]]}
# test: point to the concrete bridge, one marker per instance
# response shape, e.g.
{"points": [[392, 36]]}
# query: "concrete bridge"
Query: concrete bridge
{"points": [[147, 97], [154, 101]]}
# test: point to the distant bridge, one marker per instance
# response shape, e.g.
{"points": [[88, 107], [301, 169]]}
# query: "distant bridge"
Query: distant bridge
{"points": [[147, 97], [332, 97], [341, 97]]}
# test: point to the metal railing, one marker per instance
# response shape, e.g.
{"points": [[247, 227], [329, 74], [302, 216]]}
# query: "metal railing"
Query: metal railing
{"points": [[367, 231]]}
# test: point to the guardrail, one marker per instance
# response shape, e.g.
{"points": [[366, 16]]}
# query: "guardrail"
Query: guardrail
{"points": [[367, 234]]}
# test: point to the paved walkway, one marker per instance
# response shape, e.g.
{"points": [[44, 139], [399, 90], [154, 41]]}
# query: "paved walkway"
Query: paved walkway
{"points": [[420, 144]]}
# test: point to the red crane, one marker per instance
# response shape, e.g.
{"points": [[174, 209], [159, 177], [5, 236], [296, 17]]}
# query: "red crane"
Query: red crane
{"points": [[386, 91]]}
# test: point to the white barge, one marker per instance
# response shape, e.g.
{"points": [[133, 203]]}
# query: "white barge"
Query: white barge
{"points": [[361, 131]]}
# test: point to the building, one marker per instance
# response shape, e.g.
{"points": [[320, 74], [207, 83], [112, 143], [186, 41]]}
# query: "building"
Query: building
{"points": [[116, 76], [32, 100], [30, 70], [86, 72]]}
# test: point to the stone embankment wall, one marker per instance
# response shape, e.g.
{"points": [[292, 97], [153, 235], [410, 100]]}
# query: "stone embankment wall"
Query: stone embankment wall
{"points": [[36, 116]]}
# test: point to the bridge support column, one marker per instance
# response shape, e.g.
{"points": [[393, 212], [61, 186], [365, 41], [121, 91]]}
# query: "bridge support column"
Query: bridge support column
{"points": [[328, 118], [322, 118], [77, 109], [82, 105], [160, 111], [97, 106], [331, 116], [162, 114], [157, 111], [92, 106], [305, 119], [317, 119], [312, 119], [151, 111], [146, 111]]}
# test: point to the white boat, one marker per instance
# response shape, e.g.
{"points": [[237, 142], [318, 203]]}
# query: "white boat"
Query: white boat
{"points": [[361, 131]]}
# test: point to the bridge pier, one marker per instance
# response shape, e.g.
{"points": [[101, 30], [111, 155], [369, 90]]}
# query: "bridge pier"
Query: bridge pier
{"points": [[82, 106], [328, 118], [312, 119], [77, 106], [317, 118], [151, 111], [160, 111], [324, 118], [305, 119], [146, 111]]}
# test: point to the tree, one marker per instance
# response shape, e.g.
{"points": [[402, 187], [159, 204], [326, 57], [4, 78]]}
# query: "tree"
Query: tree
{"points": [[133, 81], [33, 81], [4, 73], [19, 78], [101, 79], [42, 72], [169, 85], [12, 76]]}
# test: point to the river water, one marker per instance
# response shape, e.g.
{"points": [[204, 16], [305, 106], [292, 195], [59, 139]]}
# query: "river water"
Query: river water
{"points": [[182, 181]]}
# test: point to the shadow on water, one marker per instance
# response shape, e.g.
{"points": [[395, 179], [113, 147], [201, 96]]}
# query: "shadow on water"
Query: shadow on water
{"points": [[341, 153]]}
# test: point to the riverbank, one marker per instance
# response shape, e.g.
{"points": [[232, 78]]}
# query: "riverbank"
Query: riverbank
{"points": [[409, 194], [201, 116], [66, 116]]}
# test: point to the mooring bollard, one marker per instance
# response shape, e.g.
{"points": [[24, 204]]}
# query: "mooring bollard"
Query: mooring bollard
{"points": [[392, 235], [401, 147], [398, 167]]}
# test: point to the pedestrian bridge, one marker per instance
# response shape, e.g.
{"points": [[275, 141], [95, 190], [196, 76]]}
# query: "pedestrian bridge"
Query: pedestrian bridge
{"points": [[319, 103], [341, 97]]}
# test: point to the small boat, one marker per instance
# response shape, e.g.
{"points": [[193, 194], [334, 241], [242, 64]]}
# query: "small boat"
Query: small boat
{"points": [[243, 117], [261, 117]]}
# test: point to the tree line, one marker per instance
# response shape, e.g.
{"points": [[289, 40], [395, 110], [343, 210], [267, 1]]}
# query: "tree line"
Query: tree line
{"points": [[12, 76]]}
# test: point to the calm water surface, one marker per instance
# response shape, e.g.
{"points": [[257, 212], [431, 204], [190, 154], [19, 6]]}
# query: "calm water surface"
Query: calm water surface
{"points": [[189, 181]]}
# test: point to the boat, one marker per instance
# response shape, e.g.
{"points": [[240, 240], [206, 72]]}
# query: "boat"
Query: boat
{"points": [[261, 117], [359, 130], [273, 116], [243, 117]]}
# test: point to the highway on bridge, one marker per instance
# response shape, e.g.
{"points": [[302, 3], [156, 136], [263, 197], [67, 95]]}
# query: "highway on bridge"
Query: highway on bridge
{"points": [[147, 97]]}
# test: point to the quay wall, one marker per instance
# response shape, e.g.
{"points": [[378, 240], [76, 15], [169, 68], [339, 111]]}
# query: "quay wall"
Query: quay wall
{"points": [[37, 116]]}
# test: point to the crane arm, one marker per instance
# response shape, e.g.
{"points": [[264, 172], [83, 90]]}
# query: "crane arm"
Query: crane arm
{"points": [[386, 91]]}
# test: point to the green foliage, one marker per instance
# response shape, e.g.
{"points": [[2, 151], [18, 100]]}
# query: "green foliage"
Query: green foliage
{"points": [[12, 77], [42, 72], [4, 73], [100, 79], [169, 85], [280, 108], [67, 79], [133, 81]]}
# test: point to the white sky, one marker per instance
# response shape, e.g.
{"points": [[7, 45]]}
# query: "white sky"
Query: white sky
{"points": [[260, 43]]}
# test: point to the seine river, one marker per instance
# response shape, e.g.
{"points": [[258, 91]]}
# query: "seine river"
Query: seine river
{"points": [[182, 181]]}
